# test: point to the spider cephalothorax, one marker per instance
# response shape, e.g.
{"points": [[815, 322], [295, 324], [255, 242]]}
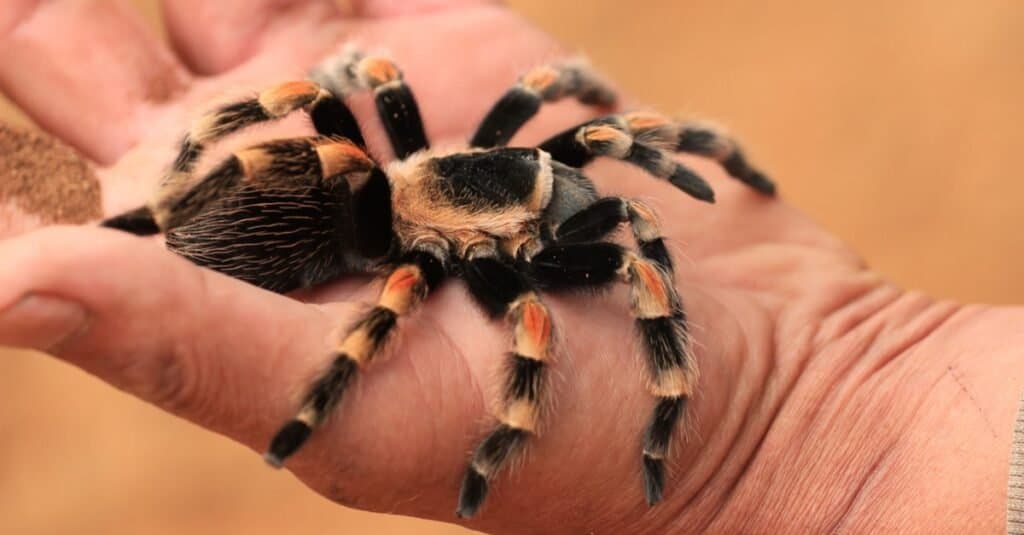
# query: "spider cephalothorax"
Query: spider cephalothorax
{"points": [[510, 222]]}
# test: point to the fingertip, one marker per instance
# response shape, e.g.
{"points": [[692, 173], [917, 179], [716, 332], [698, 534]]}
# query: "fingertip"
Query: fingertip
{"points": [[214, 37], [74, 65], [40, 322]]}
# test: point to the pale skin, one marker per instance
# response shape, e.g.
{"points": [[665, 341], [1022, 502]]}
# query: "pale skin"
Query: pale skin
{"points": [[829, 399]]}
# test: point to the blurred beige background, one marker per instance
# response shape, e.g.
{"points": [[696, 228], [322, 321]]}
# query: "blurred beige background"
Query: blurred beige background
{"points": [[895, 124]]}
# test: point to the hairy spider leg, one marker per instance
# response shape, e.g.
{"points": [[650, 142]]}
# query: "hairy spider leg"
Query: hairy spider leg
{"points": [[605, 215], [545, 83], [396, 105], [696, 138], [304, 160], [666, 338], [660, 322], [138, 221], [404, 289], [644, 139], [331, 117], [578, 146], [503, 291]]}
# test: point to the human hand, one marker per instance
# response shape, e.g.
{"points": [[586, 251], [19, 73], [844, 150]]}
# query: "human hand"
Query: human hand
{"points": [[814, 369]]}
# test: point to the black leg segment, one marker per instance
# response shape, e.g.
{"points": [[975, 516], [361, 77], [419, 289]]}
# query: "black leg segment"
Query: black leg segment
{"points": [[602, 217], [644, 140], [576, 266], [660, 323], [593, 222], [503, 290], [406, 286], [138, 221], [353, 71], [332, 117], [605, 137], [547, 83], [401, 117]]}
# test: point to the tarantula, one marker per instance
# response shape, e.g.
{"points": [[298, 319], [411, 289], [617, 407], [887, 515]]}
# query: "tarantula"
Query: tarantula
{"points": [[510, 222]]}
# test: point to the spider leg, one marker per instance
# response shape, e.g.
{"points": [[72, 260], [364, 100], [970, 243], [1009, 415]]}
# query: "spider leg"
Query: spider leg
{"points": [[696, 138], [297, 160], [502, 290], [331, 117], [406, 287], [603, 216], [352, 71], [660, 321], [603, 137], [546, 83], [139, 221], [645, 140]]}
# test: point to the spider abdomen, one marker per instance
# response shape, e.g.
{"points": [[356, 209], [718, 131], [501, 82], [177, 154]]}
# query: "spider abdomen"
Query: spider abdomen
{"points": [[280, 238]]}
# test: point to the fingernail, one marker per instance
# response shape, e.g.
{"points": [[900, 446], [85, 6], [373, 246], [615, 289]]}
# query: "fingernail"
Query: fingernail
{"points": [[40, 322]]}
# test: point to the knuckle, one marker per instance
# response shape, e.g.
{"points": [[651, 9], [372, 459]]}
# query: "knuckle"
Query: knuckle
{"points": [[167, 378]]}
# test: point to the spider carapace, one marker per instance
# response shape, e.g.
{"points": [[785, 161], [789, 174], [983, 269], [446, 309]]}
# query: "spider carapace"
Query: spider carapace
{"points": [[510, 222]]}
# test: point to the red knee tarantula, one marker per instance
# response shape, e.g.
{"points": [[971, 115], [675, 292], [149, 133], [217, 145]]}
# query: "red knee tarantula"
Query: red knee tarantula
{"points": [[511, 222]]}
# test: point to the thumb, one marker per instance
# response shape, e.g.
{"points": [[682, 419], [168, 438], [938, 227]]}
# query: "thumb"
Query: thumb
{"points": [[195, 343]]}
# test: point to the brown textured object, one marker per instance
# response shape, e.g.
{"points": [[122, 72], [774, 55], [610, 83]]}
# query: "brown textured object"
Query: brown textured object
{"points": [[45, 178]]}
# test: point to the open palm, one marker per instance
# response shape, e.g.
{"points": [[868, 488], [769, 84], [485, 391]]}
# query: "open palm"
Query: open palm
{"points": [[812, 366]]}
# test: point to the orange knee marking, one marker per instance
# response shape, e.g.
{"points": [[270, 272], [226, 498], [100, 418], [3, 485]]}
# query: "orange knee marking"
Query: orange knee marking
{"points": [[645, 121], [617, 142], [643, 211], [398, 290], [379, 71], [603, 133], [295, 88], [653, 282], [341, 156], [540, 78], [288, 96], [645, 223], [403, 279], [534, 334], [536, 321]]}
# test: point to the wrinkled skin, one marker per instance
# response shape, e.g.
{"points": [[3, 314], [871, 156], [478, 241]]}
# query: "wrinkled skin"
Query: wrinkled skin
{"points": [[829, 399]]}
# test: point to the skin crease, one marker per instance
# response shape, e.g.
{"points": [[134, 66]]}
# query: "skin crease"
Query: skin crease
{"points": [[829, 400]]}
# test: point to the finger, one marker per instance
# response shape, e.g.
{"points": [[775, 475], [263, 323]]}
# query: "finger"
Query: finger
{"points": [[236, 359], [213, 37], [391, 8], [84, 69], [206, 347]]}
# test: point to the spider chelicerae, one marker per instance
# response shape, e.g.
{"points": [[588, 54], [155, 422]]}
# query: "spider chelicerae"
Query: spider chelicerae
{"points": [[510, 222]]}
